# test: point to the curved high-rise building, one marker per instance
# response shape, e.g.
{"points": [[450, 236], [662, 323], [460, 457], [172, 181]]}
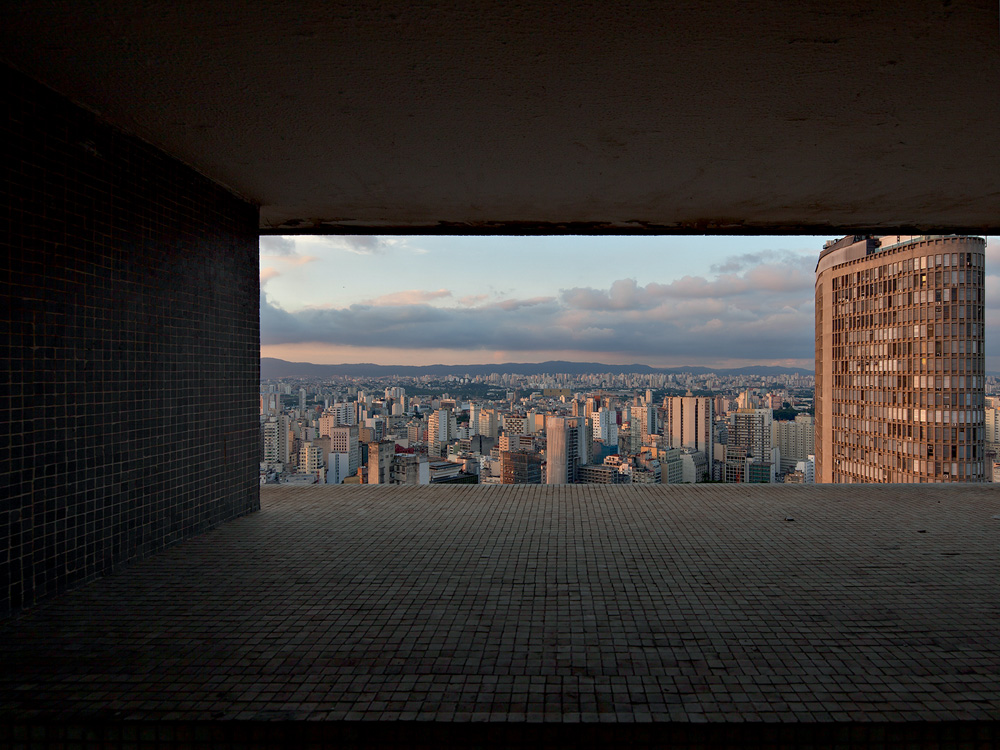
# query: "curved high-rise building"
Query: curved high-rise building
{"points": [[899, 359]]}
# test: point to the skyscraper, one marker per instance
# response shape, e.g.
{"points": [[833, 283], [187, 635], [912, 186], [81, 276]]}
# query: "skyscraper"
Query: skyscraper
{"points": [[380, 455], [750, 445], [311, 460], [277, 443], [992, 436], [795, 441], [899, 359], [442, 428], [489, 423], [605, 426], [644, 420], [334, 416], [564, 446], [345, 454], [690, 420]]}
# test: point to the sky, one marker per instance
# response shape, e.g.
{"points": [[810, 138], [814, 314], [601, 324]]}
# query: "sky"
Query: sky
{"points": [[662, 301]]}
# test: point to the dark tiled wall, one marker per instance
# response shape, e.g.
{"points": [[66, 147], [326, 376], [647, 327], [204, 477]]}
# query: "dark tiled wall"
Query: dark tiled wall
{"points": [[129, 331]]}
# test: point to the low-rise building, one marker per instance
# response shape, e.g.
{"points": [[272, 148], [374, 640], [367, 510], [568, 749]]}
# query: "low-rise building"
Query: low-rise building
{"points": [[440, 471], [601, 474], [411, 469], [520, 467], [694, 466]]}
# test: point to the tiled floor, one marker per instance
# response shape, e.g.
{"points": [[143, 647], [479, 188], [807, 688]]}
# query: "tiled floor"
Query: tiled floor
{"points": [[540, 604]]}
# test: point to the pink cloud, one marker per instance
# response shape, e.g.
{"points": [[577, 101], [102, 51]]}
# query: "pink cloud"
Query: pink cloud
{"points": [[409, 297], [299, 260], [473, 299]]}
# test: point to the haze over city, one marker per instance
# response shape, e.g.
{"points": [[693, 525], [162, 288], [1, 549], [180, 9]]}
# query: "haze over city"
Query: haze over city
{"points": [[661, 301]]}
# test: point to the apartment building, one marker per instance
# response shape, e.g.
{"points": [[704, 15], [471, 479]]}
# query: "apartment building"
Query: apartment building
{"points": [[899, 359]]}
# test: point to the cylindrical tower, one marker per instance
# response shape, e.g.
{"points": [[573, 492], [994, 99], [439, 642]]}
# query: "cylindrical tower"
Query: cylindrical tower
{"points": [[900, 367]]}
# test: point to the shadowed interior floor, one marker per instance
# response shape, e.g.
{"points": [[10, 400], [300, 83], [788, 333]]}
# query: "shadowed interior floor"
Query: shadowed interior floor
{"points": [[712, 604]]}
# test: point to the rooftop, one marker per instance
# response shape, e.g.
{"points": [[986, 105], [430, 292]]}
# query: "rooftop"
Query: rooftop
{"points": [[747, 607]]}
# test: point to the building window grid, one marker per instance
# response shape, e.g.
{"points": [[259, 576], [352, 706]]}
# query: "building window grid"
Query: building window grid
{"points": [[896, 314]]}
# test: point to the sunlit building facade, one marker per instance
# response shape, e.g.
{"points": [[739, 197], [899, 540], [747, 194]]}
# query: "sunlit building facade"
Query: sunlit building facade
{"points": [[899, 360], [565, 441], [690, 421], [795, 440]]}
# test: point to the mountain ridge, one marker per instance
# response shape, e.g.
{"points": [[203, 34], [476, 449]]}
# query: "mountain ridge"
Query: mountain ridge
{"points": [[272, 368]]}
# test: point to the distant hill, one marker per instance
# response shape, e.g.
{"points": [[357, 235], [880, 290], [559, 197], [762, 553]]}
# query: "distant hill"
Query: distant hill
{"points": [[272, 369]]}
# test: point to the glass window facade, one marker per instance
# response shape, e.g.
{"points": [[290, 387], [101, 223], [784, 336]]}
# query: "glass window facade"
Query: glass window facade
{"points": [[899, 361]]}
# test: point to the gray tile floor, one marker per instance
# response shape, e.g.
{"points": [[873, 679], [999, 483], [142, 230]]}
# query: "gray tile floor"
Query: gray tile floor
{"points": [[540, 604]]}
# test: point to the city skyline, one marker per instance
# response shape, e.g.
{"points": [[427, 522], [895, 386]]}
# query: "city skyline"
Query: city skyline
{"points": [[711, 301], [637, 428]]}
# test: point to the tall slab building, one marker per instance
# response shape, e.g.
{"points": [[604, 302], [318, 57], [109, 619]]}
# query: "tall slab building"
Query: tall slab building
{"points": [[899, 359], [690, 421], [565, 449]]}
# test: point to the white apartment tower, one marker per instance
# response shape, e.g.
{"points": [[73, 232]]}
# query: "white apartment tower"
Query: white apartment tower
{"points": [[442, 428], [474, 412], [794, 440], [277, 440], [311, 460], [345, 454], [489, 423], [992, 422], [690, 420], [644, 420], [606, 426], [336, 415]]}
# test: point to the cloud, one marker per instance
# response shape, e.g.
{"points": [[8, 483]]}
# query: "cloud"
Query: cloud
{"points": [[737, 263], [300, 260], [762, 312], [266, 274], [752, 307], [364, 244], [276, 245], [283, 250], [515, 304], [623, 294], [410, 297], [626, 294], [470, 300]]}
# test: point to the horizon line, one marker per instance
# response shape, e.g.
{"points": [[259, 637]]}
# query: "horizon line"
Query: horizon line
{"points": [[538, 362]]}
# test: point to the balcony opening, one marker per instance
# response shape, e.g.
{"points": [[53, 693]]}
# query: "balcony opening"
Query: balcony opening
{"points": [[529, 327]]}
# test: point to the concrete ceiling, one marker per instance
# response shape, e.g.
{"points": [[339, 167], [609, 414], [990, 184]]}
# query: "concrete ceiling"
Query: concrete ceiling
{"points": [[468, 116]]}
